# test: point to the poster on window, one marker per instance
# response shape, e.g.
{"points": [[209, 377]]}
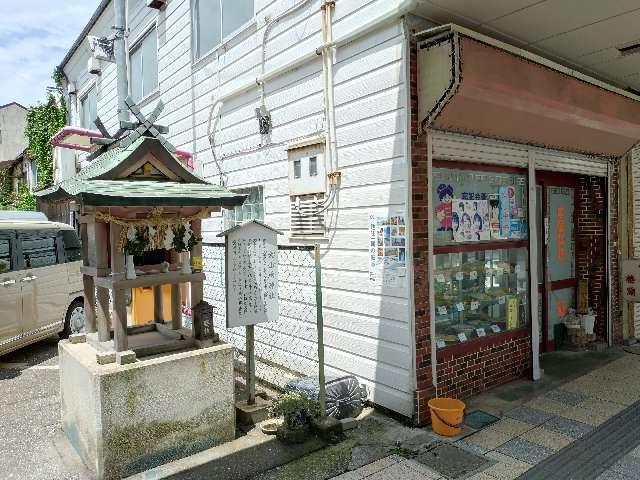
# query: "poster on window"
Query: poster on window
{"points": [[470, 220], [387, 248]]}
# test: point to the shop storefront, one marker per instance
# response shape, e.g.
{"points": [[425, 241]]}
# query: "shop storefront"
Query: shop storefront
{"points": [[515, 211]]}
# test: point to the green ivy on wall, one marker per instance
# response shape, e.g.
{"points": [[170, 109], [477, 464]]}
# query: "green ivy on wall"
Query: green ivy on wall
{"points": [[43, 121]]}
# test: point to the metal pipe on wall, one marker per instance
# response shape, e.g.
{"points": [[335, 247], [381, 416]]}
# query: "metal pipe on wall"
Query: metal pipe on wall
{"points": [[120, 52]]}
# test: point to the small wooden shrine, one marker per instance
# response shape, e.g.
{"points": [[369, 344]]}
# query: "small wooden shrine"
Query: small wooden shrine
{"points": [[138, 201]]}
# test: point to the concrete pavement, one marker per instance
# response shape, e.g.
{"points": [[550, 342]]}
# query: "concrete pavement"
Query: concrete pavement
{"points": [[33, 446]]}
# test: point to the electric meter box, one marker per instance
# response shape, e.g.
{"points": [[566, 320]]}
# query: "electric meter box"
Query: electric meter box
{"points": [[307, 170]]}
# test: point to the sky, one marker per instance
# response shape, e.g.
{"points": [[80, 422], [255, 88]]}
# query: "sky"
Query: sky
{"points": [[34, 37]]}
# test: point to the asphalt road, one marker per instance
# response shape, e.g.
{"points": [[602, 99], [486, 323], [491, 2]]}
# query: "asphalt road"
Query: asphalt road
{"points": [[33, 444]]}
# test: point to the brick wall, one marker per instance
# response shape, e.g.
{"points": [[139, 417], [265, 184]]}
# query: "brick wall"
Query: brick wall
{"points": [[482, 365], [591, 257]]}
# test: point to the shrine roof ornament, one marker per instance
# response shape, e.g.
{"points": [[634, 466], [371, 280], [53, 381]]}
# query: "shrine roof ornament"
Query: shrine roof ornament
{"points": [[139, 167], [76, 138]]}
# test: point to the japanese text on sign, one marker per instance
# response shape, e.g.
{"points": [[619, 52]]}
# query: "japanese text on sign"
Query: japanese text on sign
{"points": [[252, 275], [631, 279]]}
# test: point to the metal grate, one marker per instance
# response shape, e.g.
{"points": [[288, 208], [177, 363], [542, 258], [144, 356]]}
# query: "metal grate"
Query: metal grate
{"points": [[305, 219]]}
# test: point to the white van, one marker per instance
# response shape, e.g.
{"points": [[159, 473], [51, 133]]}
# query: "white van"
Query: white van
{"points": [[40, 281]]}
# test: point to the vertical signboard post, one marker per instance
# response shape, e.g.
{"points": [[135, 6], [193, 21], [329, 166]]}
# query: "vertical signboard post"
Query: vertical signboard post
{"points": [[251, 270]]}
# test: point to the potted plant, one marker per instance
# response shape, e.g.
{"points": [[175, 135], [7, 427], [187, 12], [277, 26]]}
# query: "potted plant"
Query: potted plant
{"points": [[183, 242], [297, 411], [135, 244]]}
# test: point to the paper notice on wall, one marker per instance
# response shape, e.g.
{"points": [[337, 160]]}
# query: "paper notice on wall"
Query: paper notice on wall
{"points": [[387, 249]]}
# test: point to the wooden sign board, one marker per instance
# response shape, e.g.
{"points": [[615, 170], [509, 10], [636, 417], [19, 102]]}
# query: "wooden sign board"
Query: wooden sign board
{"points": [[251, 270], [631, 279]]}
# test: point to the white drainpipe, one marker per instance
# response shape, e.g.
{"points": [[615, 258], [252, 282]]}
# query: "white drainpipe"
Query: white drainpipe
{"points": [[120, 52]]}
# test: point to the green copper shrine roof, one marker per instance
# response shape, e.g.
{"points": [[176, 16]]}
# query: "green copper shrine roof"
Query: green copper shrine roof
{"points": [[100, 183]]}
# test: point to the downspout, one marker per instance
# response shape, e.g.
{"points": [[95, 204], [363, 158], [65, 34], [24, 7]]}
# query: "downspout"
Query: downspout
{"points": [[119, 48], [425, 124]]}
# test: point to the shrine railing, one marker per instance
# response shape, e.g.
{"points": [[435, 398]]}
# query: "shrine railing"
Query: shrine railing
{"points": [[286, 349]]}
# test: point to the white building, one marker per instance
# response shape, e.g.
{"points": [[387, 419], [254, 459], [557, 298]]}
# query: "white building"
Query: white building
{"points": [[215, 64]]}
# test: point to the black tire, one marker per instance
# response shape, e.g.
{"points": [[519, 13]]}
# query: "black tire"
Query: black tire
{"points": [[68, 328]]}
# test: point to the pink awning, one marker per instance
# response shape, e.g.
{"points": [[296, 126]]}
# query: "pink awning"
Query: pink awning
{"points": [[505, 96]]}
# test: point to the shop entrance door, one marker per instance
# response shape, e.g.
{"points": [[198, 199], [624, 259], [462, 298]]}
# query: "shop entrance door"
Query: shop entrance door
{"points": [[556, 205]]}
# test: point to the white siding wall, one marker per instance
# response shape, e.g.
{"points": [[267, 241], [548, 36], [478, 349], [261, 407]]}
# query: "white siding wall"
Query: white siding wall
{"points": [[368, 329]]}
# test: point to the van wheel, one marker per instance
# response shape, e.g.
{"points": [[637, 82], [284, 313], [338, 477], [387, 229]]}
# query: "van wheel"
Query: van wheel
{"points": [[74, 320]]}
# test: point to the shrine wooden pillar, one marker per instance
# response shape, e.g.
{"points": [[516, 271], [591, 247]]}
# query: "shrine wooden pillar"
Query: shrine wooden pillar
{"points": [[196, 286], [88, 284], [120, 339], [103, 319], [158, 300]]}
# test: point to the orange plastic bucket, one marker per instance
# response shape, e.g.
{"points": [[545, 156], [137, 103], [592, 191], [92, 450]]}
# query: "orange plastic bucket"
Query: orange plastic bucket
{"points": [[446, 416]]}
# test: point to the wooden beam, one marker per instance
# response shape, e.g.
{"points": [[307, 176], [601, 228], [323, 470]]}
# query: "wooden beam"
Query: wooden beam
{"points": [[103, 319], [89, 292], [120, 339], [119, 308], [176, 313], [197, 287], [158, 316], [104, 315]]}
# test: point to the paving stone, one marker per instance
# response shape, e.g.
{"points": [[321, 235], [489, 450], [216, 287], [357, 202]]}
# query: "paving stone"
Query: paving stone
{"points": [[511, 426], [635, 452], [525, 451], [547, 405], [589, 417], [529, 415], [603, 407], [547, 438], [628, 465], [568, 427], [489, 439], [426, 472], [505, 468], [567, 397], [612, 475], [471, 447], [349, 476], [378, 465], [400, 471], [481, 476]]}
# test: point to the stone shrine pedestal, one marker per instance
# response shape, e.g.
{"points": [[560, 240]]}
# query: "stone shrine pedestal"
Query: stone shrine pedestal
{"points": [[123, 419]]}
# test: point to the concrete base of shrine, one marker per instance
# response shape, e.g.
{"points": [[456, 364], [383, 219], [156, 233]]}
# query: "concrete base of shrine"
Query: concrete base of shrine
{"points": [[123, 419]]}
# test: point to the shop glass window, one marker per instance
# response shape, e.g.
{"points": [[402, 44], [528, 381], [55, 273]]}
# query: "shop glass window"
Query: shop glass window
{"points": [[5, 255], [39, 250], [216, 19], [251, 209], [481, 273], [144, 66], [89, 108]]}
